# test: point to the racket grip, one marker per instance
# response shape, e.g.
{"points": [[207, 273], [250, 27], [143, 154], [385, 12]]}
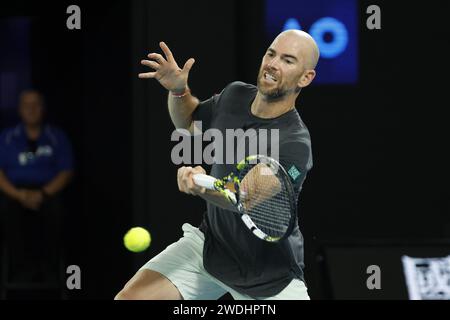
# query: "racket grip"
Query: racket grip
{"points": [[205, 181]]}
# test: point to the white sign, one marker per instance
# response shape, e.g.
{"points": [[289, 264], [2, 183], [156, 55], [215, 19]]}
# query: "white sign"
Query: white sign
{"points": [[427, 278]]}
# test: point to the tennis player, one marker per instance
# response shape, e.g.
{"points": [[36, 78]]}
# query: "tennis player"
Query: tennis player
{"points": [[222, 255]]}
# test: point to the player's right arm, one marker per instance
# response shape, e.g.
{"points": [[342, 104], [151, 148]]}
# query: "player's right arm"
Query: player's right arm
{"points": [[186, 184], [175, 80]]}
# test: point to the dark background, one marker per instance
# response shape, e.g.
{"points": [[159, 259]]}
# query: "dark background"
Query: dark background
{"points": [[380, 171]]}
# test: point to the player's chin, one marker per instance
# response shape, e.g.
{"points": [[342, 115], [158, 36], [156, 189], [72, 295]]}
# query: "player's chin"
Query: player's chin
{"points": [[266, 89], [272, 94]]}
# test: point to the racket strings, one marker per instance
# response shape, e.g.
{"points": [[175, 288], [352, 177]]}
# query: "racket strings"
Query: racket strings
{"points": [[266, 200], [273, 211], [273, 218]]}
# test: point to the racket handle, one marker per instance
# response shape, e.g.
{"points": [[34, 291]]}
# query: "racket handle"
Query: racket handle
{"points": [[205, 181]]}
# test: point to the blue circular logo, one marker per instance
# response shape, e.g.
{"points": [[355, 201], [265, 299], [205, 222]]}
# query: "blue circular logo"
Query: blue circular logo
{"points": [[336, 30]]}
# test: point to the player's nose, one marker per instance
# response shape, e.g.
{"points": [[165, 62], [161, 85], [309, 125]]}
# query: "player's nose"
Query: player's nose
{"points": [[273, 64]]}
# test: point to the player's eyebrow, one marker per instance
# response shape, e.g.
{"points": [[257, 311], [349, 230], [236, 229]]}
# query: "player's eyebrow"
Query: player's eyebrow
{"points": [[271, 50]]}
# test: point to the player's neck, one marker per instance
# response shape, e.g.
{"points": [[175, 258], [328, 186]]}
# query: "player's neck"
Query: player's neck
{"points": [[267, 109]]}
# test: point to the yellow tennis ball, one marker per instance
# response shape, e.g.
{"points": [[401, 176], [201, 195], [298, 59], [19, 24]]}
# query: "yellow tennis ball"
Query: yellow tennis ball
{"points": [[137, 239]]}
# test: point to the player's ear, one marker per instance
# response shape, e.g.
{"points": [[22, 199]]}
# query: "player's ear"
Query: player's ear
{"points": [[306, 78]]}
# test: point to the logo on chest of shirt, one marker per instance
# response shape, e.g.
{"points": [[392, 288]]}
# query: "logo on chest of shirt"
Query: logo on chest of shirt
{"points": [[29, 157]]}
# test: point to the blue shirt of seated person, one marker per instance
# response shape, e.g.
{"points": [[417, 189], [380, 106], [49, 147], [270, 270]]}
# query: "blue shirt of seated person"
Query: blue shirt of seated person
{"points": [[33, 153]]}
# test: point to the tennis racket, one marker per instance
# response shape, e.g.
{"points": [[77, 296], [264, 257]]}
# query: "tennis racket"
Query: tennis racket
{"points": [[263, 194]]}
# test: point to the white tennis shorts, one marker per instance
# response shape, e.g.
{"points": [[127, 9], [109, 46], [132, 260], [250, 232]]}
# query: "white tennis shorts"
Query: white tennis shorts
{"points": [[182, 263]]}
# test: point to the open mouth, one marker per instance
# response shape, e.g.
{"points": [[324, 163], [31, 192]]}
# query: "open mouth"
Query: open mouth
{"points": [[269, 77]]}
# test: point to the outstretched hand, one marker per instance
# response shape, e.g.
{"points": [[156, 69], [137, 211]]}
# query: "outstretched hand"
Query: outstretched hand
{"points": [[167, 72]]}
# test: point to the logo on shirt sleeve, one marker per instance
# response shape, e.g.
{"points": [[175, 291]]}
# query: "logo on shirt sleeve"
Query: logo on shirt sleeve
{"points": [[294, 172]]}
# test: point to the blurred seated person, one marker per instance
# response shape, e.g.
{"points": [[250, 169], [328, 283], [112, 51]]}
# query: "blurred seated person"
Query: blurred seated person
{"points": [[36, 164]]}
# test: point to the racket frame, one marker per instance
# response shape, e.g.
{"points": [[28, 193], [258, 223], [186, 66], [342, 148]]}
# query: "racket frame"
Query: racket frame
{"points": [[220, 185]]}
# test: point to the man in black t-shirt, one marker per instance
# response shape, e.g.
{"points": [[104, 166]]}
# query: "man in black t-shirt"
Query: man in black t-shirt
{"points": [[222, 255]]}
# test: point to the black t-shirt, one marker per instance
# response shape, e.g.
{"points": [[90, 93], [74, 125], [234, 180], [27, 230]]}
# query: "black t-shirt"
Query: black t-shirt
{"points": [[232, 254]]}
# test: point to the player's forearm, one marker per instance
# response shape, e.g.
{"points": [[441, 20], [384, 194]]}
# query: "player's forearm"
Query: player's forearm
{"points": [[181, 109], [217, 199], [58, 183], [7, 187]]}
